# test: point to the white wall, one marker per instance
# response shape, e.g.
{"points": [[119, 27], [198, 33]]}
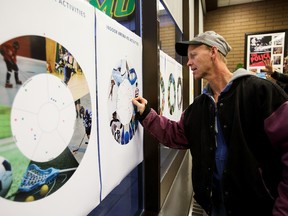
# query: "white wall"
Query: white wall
{"points": [[175, 8], [192, 34]]}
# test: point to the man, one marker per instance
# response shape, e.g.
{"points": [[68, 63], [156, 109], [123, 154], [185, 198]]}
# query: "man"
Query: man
{"points": [[237, 132], [87, 122], [68, 66], [9, 53], [116, 127]]}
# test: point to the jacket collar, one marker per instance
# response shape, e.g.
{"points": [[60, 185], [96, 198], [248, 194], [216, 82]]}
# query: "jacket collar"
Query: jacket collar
{"points": [[241, 72]]}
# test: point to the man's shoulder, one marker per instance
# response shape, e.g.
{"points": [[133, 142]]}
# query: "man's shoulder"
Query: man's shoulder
{"points": [[244, 76], [241, 72]]}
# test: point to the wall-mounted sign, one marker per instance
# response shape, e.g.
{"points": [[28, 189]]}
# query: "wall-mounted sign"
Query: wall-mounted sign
{"points": [[261, 46], [118, 9]]}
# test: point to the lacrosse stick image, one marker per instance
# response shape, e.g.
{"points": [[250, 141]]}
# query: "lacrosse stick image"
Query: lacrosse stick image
{"points": [[34, 177], [75, 150]]}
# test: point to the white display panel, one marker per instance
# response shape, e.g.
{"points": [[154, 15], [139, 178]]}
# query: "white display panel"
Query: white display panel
{"points": [[163, 84], [171, 87], [179, 90], [119, 78], [43, 124]]}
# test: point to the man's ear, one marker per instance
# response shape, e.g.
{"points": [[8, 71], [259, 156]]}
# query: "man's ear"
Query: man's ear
{"points": [[214, 52]]}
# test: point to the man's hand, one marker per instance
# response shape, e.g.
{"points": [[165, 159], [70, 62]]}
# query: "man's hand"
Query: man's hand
{"points": [[140, 103], [268, 66]]}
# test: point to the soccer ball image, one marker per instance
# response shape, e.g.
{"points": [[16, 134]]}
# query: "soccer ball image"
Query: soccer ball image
{"points": [[5, 176]]}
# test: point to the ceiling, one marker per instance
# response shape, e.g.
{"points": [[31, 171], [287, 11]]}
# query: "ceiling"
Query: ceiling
{"points": [[214, 4], [223, 3]]}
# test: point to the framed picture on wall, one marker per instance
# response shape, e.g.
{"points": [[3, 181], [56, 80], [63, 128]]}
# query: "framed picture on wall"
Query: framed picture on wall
{"points": [[261, 46]]}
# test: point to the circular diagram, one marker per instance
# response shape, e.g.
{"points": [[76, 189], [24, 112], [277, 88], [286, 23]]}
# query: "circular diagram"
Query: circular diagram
{"points": [[42, 117], [43, 121], [171, 94], [123, 87]]}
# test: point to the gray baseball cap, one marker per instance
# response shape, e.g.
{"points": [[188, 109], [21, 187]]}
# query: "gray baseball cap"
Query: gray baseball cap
{"points": [[209, 38]]}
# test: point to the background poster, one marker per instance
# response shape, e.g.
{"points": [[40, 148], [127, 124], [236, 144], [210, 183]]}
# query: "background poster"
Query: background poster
{"points": [[179, 89], [172, 88], [262, 46], [163, 84], [119, 79], [55, 43]]}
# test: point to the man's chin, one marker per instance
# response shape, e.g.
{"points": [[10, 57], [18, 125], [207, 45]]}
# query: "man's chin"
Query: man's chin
{"points": [[196, 76]]}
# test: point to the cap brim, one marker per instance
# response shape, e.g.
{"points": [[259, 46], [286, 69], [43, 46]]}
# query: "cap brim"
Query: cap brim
{"points": [[182, 46]]}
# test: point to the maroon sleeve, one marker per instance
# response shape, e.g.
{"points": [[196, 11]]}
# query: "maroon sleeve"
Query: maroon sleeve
{"points": [[276, 127], [167, 132]]}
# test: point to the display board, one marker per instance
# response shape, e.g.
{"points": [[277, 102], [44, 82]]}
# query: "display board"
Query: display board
{"points": [[163, 85], [171, 87], [119, 78], [47, 106], [68, 132]]}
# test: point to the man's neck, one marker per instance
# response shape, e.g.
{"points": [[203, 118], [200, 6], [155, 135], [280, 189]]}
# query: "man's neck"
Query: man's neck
{"points": [[219, 82]]}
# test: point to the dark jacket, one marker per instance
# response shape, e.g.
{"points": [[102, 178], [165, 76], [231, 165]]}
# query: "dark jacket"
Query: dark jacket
{"points": [[253, 116], [281, 80]]}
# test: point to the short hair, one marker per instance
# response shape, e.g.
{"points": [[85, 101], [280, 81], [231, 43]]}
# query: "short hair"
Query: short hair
{"points": [[221, 56]]}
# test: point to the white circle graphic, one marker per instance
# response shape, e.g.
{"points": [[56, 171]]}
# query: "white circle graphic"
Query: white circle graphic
{"points": [[42, 117], [123, 87], [124, 106], [48, 123]]}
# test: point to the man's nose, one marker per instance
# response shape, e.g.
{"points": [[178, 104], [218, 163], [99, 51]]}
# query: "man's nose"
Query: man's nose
{"points": [[189, 62]]}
